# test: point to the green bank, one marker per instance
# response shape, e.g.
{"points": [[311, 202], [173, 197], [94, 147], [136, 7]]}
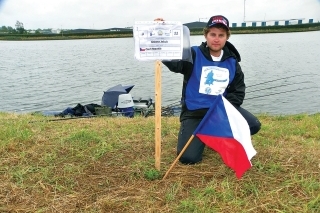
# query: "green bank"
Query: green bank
{"points": [[107, 164], [122, 33]]}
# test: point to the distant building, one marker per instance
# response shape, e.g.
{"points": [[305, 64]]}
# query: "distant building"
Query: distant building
{"points": [[45, 31], [55, 31], [116, 29], [196, 24]]}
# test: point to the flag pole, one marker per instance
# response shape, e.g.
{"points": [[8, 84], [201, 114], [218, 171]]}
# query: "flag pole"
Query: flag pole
{"points": [[157, 114], [175, 161]]}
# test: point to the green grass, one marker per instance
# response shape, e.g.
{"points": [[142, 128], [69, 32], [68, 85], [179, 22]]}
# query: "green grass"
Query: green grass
{"points": [[107, 164]]}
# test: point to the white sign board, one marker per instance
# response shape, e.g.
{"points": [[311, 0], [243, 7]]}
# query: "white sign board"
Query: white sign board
{"points": [[158, 40]]}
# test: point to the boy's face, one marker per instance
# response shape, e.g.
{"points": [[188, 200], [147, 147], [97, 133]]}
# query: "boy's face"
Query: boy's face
{"points": [[216, 39]]}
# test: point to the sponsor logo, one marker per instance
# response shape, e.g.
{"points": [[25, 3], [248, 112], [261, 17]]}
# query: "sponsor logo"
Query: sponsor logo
{"points": [[126, 101], [154, 48], [151, 48], [220, 20]]}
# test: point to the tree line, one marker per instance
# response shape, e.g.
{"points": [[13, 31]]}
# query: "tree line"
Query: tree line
{"points": [[19, 29]]}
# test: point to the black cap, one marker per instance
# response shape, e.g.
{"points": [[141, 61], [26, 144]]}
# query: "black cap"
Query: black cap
{"points": [[219, 19]]}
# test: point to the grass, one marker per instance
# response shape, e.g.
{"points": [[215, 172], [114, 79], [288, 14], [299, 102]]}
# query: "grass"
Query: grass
{"points": [[107, 164]]}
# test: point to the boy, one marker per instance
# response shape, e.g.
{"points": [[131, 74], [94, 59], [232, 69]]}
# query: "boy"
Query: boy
{"points": [[214, 70]]}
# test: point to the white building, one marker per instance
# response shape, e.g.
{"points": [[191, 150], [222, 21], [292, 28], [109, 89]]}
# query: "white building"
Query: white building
{"points": [[56, 31]]}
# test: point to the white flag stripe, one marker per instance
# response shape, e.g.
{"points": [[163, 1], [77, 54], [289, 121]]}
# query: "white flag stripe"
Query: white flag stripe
{"points": [[240, 128]]}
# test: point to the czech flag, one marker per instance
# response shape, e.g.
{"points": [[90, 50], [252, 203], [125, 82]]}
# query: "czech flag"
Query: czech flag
{"points": [[225, 130]]}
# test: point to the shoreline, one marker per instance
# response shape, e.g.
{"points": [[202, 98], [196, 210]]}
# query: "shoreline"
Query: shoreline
{"points": [[128, 34]]}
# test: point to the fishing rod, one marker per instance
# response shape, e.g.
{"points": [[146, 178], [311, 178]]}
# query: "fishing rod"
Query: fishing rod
{"points": [[165, 110], [172, 104], [275, 93], [275, 80], [68, 118], [81, 117], [278, 86]]}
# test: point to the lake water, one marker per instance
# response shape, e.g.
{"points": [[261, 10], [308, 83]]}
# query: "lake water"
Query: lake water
{"points": [[281, 72]]}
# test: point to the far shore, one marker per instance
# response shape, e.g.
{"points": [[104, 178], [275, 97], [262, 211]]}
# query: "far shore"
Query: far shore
{"points": [[125, 34]]}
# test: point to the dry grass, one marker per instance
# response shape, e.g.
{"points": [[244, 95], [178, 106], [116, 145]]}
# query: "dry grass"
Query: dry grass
{"points": [[107, 165]]}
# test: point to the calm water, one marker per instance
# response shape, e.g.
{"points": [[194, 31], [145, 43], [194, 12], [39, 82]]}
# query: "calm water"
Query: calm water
{"points": [[281, 72]]}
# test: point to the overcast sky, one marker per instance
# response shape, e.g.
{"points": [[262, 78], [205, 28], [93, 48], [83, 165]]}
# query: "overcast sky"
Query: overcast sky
{"points": [[103, 14]]}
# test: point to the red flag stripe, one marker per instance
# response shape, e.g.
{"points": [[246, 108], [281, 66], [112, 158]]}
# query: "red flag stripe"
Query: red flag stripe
{"points": [[231, 151]]}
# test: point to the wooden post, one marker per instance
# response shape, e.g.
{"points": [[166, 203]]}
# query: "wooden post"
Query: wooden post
{"points": [[158, 115]]}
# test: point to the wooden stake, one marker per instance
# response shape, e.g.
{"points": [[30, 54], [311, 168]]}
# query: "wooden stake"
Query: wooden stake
{"points": [[158, 115], [176, 160]]}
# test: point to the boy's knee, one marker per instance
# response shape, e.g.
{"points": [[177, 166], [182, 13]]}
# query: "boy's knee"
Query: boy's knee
{"points": [[190, 159], [255, 128]]}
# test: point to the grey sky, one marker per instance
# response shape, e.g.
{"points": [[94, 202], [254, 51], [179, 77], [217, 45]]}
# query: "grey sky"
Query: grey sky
{"points": [[102, 14]]}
